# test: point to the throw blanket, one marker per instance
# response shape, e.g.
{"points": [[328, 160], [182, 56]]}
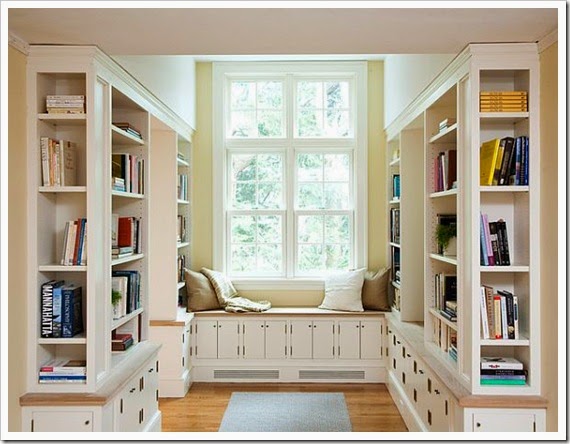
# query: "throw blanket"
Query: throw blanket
{"points": [[228, 296]]}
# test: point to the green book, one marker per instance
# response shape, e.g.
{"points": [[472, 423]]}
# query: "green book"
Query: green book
{"points": [[503, 382]]}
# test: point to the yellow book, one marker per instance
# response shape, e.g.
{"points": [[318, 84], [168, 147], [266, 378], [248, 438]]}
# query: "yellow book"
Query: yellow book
{"points": [[488, 160], [498, 163]]}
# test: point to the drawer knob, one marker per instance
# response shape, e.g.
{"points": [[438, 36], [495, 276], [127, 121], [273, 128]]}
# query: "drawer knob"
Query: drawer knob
{"points": [[436, 391], [87, 422], [132, 390], [478, 424], [421, 372]]}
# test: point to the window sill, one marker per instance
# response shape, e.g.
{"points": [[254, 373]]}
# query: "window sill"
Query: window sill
{"points": [[281, 284]]}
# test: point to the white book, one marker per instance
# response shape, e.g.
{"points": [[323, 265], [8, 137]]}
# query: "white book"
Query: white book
{"points": [[498, 362], [484, 318], [84, 249], [67, 163], [516, 315], [114, 230], [70, 247], [504, 323], [44, 151], [64, 247]]}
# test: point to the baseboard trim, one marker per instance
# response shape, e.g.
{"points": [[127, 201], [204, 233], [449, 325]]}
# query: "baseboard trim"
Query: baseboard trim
{"points": [[175, 387], [403, 404]]}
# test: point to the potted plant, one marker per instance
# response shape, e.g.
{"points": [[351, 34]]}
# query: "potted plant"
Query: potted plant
{"points": [[446, 239], [115, 300]]}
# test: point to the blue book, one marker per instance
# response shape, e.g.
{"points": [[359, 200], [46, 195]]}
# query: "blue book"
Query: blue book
{"points": [[526, 153], [56, 318], [484, 259], [81, 240], [518, 160], [72, 312]]}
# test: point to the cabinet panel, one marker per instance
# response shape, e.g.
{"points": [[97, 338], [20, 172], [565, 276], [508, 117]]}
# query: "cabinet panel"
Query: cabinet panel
{"points": [[253, 339], [370, 340], [503, 422], [206, 339], [128, 407], [301, 334], [276, 339], [58, 421], [349, 339], [228, 340], [323, 339]]}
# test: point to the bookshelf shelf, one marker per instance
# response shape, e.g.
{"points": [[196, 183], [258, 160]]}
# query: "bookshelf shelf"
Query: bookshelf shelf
{"points": [[62, 268], [182, 244], [501, 117], [504, 269], [446, 193], [121, 137], [78, 339], [395, 284], [124, 194], [394, 202], [77, 189], [450, 324], [181, 162], [505, 189], [63, 119], [448, 135], [127, 259], [523, 342], [441, 258], [183, 202], [394, 244], [122, 321], [394, 162]]}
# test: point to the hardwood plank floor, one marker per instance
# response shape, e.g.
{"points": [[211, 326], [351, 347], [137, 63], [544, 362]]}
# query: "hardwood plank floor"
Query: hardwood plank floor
{"points": [[370, 406]]}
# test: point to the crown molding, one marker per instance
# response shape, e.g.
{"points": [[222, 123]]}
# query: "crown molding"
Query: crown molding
{"points": [[547, 40], [18, 43]]}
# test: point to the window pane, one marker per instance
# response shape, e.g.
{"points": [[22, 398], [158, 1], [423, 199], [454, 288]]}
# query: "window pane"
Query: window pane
{"points": [[269, 257], [244, 195], [243, 229], [310, 229], [270, 123], [336, 196], [243, 167], [242, 95], [337, 168], [269, 195], [270, 167], [270, 95], [310, 123], [336, 123], [243, 124], [337, 257], [310, 196], [337, 229], [310, 95], [309, 167], [337, 94], [269, 229], [311, 258], [243, 258]]}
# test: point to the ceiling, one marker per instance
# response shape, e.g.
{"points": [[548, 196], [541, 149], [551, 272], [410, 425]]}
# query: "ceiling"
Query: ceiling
{"points": [[183, 31]]}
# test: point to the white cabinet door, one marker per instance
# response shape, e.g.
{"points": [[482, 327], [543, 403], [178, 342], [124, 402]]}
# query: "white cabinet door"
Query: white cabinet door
{"points": [[228, 340], [127, 408], [500, 421], [301, 334], [370, 339], [186, 346], [206, 339], [323, 339], [253, 339], [439, 406], [276, 339], [349, 339], [60, 421]]}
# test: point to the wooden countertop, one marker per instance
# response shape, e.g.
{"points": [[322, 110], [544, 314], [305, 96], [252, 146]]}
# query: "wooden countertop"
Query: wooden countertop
{"points": [[182, 318], [291, 311], [413, 334]]}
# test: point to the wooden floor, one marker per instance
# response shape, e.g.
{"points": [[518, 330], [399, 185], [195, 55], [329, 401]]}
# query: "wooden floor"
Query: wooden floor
{"points": [[370, 406]]}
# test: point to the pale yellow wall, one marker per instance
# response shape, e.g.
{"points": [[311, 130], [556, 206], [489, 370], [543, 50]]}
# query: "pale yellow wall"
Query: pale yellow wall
{"points": [[549, 229], [202, 185], [17, 276]]}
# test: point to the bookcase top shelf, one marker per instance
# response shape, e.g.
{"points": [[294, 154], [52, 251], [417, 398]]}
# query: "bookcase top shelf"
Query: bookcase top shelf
{"points": [[447, 259], [74, 189], [77, 339], [504, 269], [504, 189], [446, 193], [63, 119], [505, 342], [121, 137], [448, 135], [503, 117]]}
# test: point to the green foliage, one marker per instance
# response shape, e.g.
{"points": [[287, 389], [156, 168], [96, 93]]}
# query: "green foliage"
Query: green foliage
{"points": [[115, 297], [444, 233]]}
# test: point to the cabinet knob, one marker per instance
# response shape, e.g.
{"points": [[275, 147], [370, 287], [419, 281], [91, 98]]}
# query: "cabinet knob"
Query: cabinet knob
{"points": [[150, 370], [132, 390], [478, 424], [436, 391], [87, 422], [408, 355], [421, 372]]}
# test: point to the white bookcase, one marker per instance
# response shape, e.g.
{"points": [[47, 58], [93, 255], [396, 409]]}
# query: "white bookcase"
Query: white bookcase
{"points": [[111, 95]]}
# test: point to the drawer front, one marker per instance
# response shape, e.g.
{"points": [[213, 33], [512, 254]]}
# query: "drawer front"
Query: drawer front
{"points": [[62, 421]]}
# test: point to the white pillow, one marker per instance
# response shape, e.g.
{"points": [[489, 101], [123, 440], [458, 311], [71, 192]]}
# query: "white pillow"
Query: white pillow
{"points": [[343, 291]]}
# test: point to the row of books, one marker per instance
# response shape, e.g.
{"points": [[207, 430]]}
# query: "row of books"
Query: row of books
{"points": [[445, 290], [446, 123], [130, 169], [127, 284], [65, 104], [128, 128], [58, 162], [395, 187], [182, 190], [494, 242], [181, 231], [452, 347], [59, 371], [121, 341], [502, 371], [503, 101], [504, 161], [74, 250], [126, 236], [181, 265], [499, 314], [395, 225], [61, 310], [445, 171]]}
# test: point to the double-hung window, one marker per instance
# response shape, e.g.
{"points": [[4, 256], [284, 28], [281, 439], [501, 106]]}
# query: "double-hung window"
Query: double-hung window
{"points": [[289, 169]]}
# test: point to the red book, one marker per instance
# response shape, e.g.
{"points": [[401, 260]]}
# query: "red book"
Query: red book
{"points": [[125, 236]]}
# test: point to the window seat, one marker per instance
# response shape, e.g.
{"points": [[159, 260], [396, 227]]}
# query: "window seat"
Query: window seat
{"points": [[291, 311]]}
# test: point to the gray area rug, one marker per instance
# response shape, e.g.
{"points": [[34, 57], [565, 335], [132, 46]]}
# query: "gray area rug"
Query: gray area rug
{"points": [[286, 412]]}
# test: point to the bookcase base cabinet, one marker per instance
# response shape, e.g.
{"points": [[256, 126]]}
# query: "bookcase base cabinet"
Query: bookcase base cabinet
{"points": [[133, 408]]}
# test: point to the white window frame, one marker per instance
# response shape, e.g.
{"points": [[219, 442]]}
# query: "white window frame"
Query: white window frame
{"points": [[222, 72]]}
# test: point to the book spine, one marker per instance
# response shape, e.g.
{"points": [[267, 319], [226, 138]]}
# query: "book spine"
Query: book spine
{"points": [[47, 310], [503, 382], [494, 242], [503, 176], [76, 242], [54, 371], [498, 163], [504, 323], [503, 241], [56, 317], [497, 312], [64, 246], [484, 256], [484, 319], [526, 156], [44, 141], [490, 312], [510, 316], [516, 316], [81, 241], [490, 257]]}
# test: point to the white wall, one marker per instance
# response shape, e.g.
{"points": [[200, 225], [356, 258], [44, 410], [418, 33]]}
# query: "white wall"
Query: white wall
{"points": [[405, 76], [170, 78]]}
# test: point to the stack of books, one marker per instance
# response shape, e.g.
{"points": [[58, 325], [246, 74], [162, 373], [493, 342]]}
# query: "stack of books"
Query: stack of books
{"points": [[494, 242], [503, 101], [395, 225], [63, 371], [121, 341], [58, 162], [182, 187], [181, 229], [502, 371], [118, 184], [445, 290], [499, 314], [504, 161], [449, 312], [74, 249], [125, 236], [65, 104], [181, 261], [61, 310], [446, 123], [452, 348], [128, 128], [130, 169]]}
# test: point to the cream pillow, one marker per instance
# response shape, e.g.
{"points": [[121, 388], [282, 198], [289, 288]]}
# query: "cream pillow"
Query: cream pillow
{"points": [[201, 294], [343, 291], [222, 285]]}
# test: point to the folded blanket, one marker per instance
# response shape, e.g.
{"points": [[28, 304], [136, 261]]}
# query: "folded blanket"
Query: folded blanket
{"points": [[228, 296]]}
